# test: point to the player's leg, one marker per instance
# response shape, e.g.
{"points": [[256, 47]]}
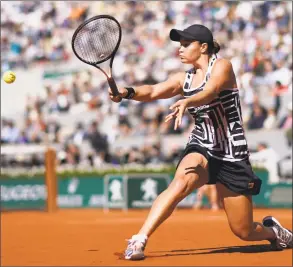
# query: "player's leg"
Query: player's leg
{"points": [[199, 196], [191, 174], [213, 196], [239, 211], [236, 184]]}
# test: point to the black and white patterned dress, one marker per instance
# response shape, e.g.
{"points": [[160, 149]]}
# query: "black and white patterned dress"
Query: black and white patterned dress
{"points": [[218, 125]]}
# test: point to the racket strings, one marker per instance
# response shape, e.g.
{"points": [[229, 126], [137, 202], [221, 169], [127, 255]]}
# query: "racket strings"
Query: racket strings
{"points": [[97, 40]]}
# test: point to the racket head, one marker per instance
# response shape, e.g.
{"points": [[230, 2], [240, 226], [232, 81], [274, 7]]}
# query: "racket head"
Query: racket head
{"points": [[97, 39]]}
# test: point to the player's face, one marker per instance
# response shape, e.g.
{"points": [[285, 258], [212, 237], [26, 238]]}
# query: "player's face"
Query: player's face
{"points": [[190, 51]]}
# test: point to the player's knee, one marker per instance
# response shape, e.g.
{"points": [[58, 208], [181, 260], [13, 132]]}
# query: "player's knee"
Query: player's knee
{"points": [[180, 185], [184, 183], [242, 233]]}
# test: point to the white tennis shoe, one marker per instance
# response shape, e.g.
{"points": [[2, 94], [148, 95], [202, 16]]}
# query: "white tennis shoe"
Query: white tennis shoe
{"points": [[135, 247], [284, 237]]}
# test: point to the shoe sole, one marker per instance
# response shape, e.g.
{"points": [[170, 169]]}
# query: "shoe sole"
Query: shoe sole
{"points": [[135, 257]]}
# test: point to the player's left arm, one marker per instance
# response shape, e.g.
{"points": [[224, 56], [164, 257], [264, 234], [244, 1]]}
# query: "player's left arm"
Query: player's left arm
{"points": [[222, 77]]}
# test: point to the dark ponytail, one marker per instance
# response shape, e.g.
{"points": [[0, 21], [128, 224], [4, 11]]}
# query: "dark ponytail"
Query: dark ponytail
{"points": [[213, 48], [216, 48]]}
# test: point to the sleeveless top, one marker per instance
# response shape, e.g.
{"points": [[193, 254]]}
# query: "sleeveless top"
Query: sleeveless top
{"points": [[218, 124]]}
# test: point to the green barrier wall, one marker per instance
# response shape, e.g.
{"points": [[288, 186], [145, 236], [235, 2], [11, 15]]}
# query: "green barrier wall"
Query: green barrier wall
{"points": [[144, 189], [134, 190], [75, 192], [115, 192], [273, 196], [118, 191], [23, 193]]}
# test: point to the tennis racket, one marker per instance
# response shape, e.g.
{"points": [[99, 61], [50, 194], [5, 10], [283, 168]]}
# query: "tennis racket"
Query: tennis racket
{"points": [[95, 41]]}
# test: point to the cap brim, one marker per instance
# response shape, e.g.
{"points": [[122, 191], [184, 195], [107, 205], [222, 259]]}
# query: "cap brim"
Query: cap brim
{"points": [[177, 35]]}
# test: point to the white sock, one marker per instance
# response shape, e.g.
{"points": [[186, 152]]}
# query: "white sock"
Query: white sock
{"points": [[140, 237]]}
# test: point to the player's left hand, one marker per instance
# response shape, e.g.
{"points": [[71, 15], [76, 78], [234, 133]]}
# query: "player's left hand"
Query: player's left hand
{"points": [[178, 111]]}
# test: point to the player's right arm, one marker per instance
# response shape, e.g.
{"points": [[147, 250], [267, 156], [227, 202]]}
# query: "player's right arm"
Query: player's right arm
{"points": [[147, 93]]}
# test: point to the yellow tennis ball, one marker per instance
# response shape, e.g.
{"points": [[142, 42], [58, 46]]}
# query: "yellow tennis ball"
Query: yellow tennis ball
{"points": [[9, 76]]}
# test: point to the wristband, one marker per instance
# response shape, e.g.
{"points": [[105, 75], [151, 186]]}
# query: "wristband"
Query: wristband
{"points": [[130, 92]]}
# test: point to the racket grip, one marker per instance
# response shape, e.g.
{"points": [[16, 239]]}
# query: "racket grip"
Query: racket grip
{"points": [[113, 87]]}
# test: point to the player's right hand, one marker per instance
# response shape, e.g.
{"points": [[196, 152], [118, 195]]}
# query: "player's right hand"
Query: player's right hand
{"points": [[117, 99]]}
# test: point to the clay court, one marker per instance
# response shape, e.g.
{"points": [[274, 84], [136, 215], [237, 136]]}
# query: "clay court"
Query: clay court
{"points": [[92, 237]]}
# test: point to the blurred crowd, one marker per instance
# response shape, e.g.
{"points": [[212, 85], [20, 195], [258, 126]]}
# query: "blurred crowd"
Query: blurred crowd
{"points": [[255, 36]]}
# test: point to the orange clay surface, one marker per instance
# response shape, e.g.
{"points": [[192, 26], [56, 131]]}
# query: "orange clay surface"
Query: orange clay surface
{"points": [[90, 237]]}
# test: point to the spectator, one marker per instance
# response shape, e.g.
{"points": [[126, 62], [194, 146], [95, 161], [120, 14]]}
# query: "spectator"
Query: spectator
{"points": [[257, 118], [289, 136], [23, 139], [34, 130], [79, 134], [268, 158], [277, 91], [271, 120], [63, 103], [76, 93], [98, 141], [52, 129], [69, 155], [72, 154], [135, 156], [51, 102], [5, 129], [211, 192], [286, 121], [12, 134]]}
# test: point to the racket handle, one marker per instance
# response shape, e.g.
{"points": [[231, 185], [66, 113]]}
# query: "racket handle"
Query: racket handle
{"points": [[113, 87]]}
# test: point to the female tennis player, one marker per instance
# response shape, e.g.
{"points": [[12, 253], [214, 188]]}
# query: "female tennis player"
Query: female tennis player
{"points": [[216, 152]]}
